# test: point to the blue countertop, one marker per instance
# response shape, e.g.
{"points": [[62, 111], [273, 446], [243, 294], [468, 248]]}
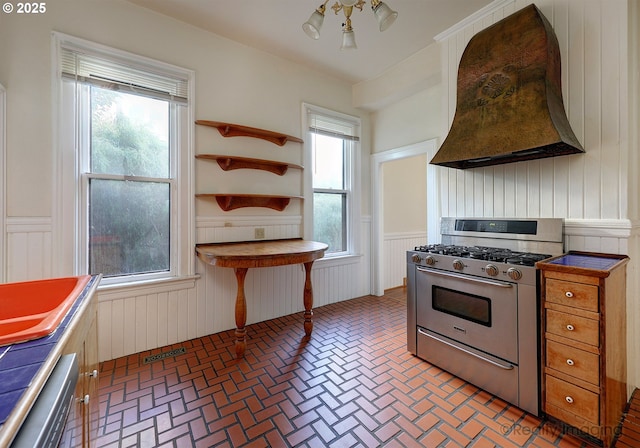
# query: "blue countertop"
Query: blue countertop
{"points": [[20, 363], [586, 261]]}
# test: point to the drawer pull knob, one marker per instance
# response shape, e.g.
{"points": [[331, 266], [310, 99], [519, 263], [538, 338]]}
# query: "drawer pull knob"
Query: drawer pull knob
{"points": [[569, 400], [568, 294], [570, 327], [570, 362]]}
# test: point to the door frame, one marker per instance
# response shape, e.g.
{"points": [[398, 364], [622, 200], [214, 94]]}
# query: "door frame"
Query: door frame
{"points": [[427, 147], [3, 182]]}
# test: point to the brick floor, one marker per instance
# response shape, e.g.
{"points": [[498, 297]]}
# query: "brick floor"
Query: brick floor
{"points": [[629, 436], [352, 385]]}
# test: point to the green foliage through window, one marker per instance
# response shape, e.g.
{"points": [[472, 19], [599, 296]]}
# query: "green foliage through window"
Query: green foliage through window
{"points": [[129, 217]]}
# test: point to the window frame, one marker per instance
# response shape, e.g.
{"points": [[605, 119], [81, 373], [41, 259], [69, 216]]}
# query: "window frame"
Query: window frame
{"points": [[73, 150], [352, 179]]}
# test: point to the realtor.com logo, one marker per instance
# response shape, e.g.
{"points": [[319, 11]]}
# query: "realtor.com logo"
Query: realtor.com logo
{"points": [[593, 431]]}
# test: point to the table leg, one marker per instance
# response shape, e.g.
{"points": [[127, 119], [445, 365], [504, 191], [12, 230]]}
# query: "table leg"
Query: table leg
{"points": [[308, 300], [241, 313]]}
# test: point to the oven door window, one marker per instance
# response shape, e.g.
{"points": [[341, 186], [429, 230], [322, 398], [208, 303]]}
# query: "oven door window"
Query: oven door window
{"points": [[466, 306]]}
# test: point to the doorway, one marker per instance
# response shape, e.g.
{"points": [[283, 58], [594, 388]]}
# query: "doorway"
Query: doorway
{"points": [[425, 148]]}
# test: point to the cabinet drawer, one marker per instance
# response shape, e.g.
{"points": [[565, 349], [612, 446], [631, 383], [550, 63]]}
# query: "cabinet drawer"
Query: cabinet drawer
{"points": [[573, 400], [573, 327], [574, 362], [572, 294]]}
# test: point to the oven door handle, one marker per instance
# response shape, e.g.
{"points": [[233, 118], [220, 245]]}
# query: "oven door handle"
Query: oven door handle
{"points": [[506, 366], [467, 278]]}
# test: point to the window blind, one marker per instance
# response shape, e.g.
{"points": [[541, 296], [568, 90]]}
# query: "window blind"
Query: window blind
{"points": [[329, 126], [117, 73]]}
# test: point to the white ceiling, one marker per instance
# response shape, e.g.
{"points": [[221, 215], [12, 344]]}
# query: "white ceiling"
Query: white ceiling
{"points": [[275, 26]]}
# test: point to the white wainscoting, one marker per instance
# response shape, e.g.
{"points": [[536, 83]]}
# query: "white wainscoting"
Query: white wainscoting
{"points": [[142, 318], [242, 228], [394, 254], [29, 248]]}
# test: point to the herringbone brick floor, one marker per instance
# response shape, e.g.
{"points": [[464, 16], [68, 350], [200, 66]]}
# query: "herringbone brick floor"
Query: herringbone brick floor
{"points": [[352, 385]]}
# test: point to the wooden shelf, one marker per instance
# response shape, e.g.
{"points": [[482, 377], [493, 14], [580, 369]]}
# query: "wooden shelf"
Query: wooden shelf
{"points": [[234, 163], [229, 201], [236, 130]]}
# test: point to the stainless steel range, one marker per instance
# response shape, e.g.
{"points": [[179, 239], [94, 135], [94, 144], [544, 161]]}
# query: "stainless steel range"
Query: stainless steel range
{"points": [[472, 302]]}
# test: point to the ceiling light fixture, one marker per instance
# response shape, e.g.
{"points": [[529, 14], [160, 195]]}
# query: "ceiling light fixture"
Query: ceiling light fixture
{"points": [[385, 16]]}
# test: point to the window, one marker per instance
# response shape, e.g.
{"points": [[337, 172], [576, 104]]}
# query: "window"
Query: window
{"points": [[332, 145], [129, 183], [130, 120]]}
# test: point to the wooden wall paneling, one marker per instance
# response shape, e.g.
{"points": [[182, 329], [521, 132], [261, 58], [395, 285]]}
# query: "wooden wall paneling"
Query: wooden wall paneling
{"points": [[477, 185], [509, 187], [533, 188], [162, 316], [547, 168], [488, 182], [192, 313], [173, 317], [613, 76], [178, 316], [131, 322], [206, 315], [572, 53], [574, 91], [451, 187], [394, 252], [116, 338], [29, 249], [593, 113], [497, 192], [142, 323], [521, 190], [104, 330], [17, 261], [460, 201], [153, 326]]}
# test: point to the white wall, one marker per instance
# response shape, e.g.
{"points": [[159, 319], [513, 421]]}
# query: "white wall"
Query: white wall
{"points": [[234, 83], [404, 205], [410, 120], [404, 195]]}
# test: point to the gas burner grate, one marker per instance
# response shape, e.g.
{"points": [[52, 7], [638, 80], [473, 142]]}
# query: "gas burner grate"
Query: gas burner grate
{"points": [[495, 254]]}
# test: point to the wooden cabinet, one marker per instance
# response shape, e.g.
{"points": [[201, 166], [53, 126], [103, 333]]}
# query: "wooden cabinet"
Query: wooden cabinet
{"points": [[583, 316], [82, 427], [231, 201]]}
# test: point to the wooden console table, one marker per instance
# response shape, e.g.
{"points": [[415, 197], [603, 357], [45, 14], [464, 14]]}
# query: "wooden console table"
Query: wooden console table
{"points": [[262, 254]]}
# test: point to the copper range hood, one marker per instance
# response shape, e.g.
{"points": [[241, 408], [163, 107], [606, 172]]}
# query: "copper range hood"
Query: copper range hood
{"points": [[509, 106]]}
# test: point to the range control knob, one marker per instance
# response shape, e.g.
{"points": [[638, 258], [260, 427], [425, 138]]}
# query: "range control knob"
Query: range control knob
{"points": [[430, 260], [416, 258], [458, 265], [491, 269], [514, 274]]}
